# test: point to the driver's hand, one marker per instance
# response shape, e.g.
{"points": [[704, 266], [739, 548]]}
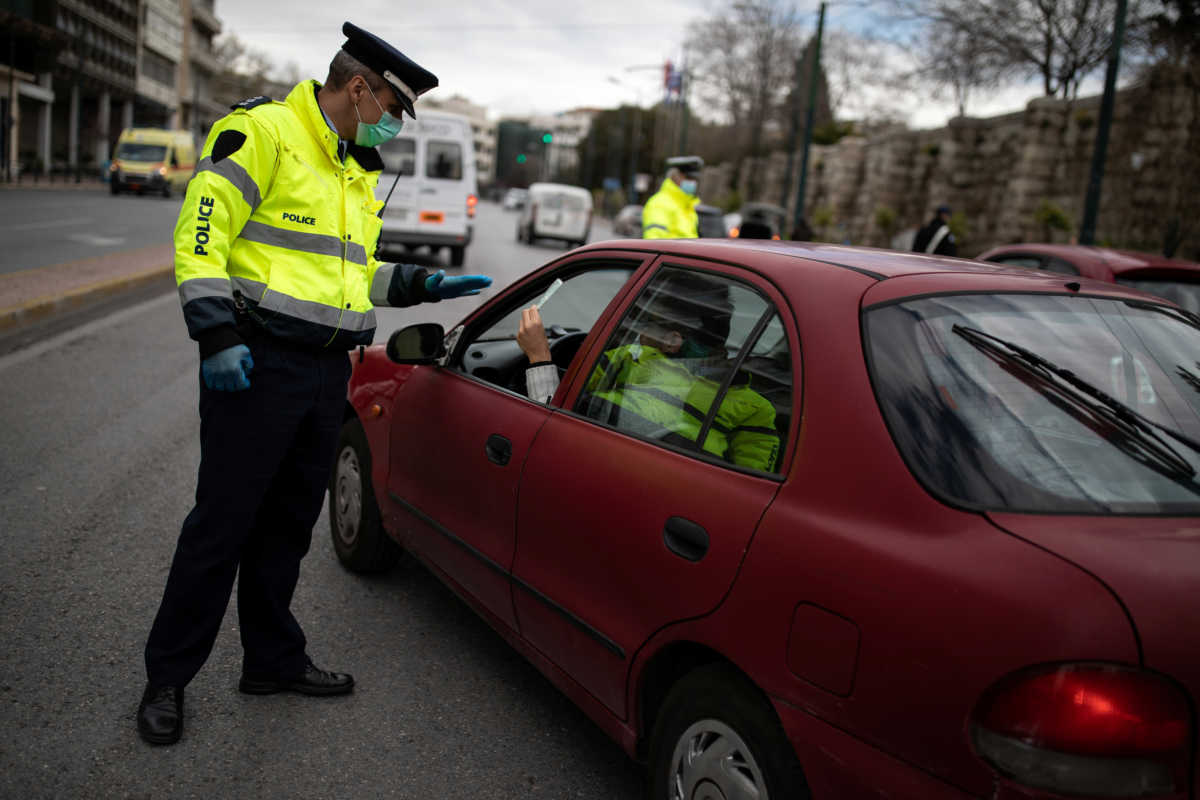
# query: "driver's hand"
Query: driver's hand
{"points": [[531, 336]]}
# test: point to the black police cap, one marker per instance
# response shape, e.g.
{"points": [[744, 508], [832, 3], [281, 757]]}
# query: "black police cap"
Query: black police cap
{"points": [[407, 78], [688, 165]]}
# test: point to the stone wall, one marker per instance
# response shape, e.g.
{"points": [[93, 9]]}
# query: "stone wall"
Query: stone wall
{"points": [[997, 172]]}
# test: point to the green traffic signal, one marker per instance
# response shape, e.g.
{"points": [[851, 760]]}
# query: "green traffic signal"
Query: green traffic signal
{"points": [[547, 137], [521, 158]]}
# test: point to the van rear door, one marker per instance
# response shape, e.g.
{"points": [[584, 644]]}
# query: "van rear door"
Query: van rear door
{"points": [[399, 158], [442, 184]]}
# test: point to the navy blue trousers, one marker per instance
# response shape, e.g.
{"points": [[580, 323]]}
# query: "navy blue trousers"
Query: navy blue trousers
{"points": [[265, 458]]}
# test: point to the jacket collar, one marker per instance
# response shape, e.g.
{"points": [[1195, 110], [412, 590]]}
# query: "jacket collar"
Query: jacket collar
{"points": [[303, 101], [678, 195]]}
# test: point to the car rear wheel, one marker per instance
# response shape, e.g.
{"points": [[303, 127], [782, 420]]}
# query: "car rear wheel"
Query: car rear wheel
{"points": [[457, 255], [717, 736], [359, 539]]}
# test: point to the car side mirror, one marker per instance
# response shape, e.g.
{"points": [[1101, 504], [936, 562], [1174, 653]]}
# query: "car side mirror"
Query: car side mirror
{"points": [[417, 344]]}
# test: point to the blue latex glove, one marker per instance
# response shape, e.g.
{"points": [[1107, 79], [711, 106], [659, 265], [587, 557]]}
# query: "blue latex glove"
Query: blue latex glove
{"points": [[442, 287], [228, 370]]}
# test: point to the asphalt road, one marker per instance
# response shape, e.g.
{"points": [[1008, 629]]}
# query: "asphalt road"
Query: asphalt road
{"points": [[39, 228], [99, 447]]}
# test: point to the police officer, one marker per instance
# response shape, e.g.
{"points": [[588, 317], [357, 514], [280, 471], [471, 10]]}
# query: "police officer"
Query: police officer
{"points": [[274, 258], [670, 213], [936, 237]]}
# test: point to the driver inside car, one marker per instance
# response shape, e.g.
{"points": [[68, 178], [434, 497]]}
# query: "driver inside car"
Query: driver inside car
{"points": [[664, 381]]}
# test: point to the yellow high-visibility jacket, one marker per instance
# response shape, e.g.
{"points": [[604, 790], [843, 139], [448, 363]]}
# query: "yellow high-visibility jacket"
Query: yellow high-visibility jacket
{"points": [[276, 222], [668, 399], [670, 214]]}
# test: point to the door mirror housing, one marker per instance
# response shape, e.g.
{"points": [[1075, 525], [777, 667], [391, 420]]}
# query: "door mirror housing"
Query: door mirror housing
{"points": [[417, 344]]}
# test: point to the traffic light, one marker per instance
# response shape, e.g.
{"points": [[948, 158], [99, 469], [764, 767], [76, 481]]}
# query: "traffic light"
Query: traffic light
{"points": [[520, 158], [547, 137]]}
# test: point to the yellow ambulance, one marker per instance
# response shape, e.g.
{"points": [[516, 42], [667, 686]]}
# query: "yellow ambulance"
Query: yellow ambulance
{"points": [[152, 160]]}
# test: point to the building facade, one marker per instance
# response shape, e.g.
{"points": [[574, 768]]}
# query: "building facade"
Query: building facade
{"points": [[82, 70]]}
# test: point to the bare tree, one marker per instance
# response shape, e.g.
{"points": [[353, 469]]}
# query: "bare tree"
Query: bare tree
{"points": [[742, 62], [1061, 42]]}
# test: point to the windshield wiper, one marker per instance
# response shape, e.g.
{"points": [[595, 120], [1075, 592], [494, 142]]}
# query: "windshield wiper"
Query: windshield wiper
{"points": [[1136, 427], [1179, 314]]}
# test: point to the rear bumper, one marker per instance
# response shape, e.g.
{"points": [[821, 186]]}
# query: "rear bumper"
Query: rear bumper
{"points": [[416, 238], [838, 765]]}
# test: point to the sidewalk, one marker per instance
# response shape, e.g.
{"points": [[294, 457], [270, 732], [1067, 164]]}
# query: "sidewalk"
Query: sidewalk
{"points": [[32, 294]]}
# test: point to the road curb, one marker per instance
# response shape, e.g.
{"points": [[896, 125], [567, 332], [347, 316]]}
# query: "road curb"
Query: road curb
{"points": [[41, 307]]}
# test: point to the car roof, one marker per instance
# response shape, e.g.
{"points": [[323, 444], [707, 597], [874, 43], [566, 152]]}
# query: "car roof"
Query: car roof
{"points": [[565, 188], [778, 258], [1118, 261]]}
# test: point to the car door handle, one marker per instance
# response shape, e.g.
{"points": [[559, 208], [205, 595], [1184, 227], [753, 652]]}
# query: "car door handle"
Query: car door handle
{"points": [[685, 538], [499, 449], [429, 191]]}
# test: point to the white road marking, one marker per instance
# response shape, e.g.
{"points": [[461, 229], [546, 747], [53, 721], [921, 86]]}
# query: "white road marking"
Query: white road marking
{"points": [[95, 240]]}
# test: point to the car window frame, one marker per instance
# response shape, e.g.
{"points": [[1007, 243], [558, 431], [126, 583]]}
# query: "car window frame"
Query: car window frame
{"points": [[524, 292], [575, 380]]}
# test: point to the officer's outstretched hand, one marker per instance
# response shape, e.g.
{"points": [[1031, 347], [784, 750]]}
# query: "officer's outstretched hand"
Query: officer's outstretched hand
{"points": [[443, 288], [228, 370]]}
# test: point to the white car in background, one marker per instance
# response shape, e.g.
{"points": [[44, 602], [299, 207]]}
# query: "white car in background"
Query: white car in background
{"points": [[556, 211], [429, 173]]}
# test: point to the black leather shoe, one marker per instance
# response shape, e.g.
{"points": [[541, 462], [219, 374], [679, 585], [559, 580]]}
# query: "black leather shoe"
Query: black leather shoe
{"points": [[160, 715], [312, 681]]}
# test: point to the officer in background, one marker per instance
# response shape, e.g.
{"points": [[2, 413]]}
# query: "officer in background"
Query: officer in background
{"points": [[935, 237], [670, 213], [274, 258]]}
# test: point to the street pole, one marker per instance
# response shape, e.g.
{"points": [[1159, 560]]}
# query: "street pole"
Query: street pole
{"points": [[795, 132], [798, 213], [635, 142], [1091, 204], [685, 83]]}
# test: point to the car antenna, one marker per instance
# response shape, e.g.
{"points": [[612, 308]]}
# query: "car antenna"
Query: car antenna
{"points": [[389, 195]]}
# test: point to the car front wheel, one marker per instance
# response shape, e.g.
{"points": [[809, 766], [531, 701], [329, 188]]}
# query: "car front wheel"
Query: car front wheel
{"points": [[361, 543], [717, 736]]}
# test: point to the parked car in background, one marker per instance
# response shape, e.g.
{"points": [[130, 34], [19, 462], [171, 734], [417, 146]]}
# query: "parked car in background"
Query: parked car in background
{"points": [[887, 526], [514, 199], [556, 211], [757, 221], [429, 173], [710, 222], [152, 160], [627, 224], [1175, 280]]}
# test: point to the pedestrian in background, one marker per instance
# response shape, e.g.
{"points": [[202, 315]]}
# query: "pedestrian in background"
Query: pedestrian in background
{"points": [[274, 258], [935, 237], [670, 213]]}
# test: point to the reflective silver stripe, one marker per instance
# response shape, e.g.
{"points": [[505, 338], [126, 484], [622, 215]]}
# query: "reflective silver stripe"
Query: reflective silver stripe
{"points": [[381, 284], [302, 241], [321, 314], [198, 288], [236, 174], [249, 288], [396, 83]]}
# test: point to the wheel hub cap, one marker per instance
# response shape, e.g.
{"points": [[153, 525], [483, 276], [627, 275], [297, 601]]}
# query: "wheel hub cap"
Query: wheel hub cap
{"points": [[712, 762]]}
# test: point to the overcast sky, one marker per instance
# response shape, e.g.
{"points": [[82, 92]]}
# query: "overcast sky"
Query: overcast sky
{"points": [[519, 57]]}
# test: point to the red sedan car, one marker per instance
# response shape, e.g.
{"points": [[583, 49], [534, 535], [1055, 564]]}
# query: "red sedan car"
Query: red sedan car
{"points": [[1177, 281], [806, 520]]}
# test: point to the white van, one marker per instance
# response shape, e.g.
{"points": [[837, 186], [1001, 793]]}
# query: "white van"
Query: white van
{"points": [[556, 211], [432, 164]]}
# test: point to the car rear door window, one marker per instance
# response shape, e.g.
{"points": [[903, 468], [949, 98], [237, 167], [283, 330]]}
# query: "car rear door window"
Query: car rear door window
{"points": [[443, 160], [1026, 262], [699, 362], [399, 156]]}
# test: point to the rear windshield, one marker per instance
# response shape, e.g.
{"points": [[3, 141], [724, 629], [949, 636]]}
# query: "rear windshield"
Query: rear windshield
{"points": [[136, 151], [399, 156], [571, 202], [443, 160], [978, 430], [1184, 294]]}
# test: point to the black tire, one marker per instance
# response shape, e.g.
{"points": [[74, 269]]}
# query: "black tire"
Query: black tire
{"points": [[114, 187], [457, 255], [166, 192], [715, 707], [361, 543]]}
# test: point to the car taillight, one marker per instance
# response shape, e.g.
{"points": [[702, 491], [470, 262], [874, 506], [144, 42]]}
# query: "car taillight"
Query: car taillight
{"points": [[734, 231], [1091, 729], [472, 201]]}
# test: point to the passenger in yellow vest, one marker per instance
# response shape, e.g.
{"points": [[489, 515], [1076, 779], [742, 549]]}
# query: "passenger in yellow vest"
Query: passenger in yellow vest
{"points": [[274, 259], [670, 213]]}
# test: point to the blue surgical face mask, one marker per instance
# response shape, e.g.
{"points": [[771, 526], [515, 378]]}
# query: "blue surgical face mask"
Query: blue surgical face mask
{"points": [[375, 134], [689, 186]]}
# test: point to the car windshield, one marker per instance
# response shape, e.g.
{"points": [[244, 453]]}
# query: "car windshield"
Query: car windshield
{"points": [[135, 151], [980, 429], [1178, 292]]}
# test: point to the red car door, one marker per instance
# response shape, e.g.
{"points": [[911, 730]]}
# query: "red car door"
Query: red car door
{"points": [[456, 454], [620, 533]]}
